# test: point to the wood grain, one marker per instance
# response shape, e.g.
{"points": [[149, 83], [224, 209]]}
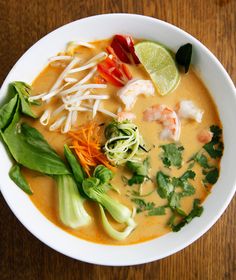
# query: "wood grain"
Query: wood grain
{"points": [[22, 23]]}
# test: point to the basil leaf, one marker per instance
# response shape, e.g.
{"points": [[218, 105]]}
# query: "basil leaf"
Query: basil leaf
{"points": [[172, 155], [165, 187], [30, 149], [183, 56], [18, 178]]}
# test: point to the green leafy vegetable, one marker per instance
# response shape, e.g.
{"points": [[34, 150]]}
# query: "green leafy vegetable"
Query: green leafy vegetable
{"points": [[23, 90], [18, 178], [195, 212], [202, 160], [172, 155], [96, 189], [183, 56], [211, 176], [174, 200], [189, 174], [157, 211], [142, 205], [103, 174], [165, 186], [7, 112], [77, 170], [30, 149], [71, 210], [215, 147], [140, 171]]}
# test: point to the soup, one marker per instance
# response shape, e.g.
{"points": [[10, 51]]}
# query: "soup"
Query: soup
{"points": [[163, 176]]}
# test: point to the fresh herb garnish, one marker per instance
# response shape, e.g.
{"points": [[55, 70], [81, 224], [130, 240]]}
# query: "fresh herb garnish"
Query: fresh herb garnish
{"points": [[202, 160], [215, 147], [195, 212], [165, 186], [211, 176], [172, 155], [140, 171], [142, 205], [183, 56], [157, 211], [150, 207]]}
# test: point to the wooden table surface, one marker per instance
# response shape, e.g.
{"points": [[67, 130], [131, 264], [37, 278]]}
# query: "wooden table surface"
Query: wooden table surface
{"points": [[22, 23]]}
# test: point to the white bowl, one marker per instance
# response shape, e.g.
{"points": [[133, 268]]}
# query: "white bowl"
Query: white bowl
{"points": [[220, 86]]}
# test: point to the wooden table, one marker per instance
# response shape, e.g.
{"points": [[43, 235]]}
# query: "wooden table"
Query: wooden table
{"points": [[22, 23]]}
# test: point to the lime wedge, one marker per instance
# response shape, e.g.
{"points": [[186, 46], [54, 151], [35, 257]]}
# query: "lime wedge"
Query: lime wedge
{"points": [[160, 65]]}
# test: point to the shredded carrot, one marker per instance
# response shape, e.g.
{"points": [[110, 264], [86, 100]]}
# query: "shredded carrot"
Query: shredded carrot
{"points": [[86, 142]]}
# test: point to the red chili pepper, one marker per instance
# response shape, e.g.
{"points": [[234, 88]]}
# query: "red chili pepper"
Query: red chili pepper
{"points": [[117, 47], [104, 72], [126, 71], [126, 44]]}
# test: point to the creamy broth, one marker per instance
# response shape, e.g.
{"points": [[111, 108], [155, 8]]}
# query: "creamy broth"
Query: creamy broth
{"points": [[44, 188]]}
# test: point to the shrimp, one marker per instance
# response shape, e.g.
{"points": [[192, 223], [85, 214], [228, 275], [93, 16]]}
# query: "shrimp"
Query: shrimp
{"points": [[129, 93], [205, 136], [167, 117], [188, 110], [122, 116]]}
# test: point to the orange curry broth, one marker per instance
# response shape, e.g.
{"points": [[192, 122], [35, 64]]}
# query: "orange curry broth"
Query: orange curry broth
{"points": [[45, 196]]}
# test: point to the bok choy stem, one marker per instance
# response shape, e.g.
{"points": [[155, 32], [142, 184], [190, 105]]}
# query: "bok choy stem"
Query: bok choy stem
{"points": [[71, 209]]}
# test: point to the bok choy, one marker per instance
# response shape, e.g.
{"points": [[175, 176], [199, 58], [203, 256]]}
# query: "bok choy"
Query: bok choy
{"points": [[71, 210], [96, 188], [29, 149]]}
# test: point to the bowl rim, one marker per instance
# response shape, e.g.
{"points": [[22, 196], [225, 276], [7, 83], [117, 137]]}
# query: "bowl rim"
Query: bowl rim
{"points": [[190, 239]]}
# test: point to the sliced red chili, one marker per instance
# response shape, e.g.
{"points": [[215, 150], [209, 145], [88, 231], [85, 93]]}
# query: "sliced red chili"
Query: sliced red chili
{"points": [[126, 71], [127, 44], [125, 41], [104, 72], [120, 52]]}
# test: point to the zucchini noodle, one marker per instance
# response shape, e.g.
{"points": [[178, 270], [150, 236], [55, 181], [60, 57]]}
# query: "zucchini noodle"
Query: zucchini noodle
{"points": [[124, 141]]}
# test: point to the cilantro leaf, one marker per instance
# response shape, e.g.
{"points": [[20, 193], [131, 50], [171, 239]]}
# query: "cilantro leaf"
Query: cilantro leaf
{"points": [[182, 182], [174, 200], [212, 176], [165, 187], [142, 205], [195, 212], [136, 179], [157, 211], [202, 160], [215, 147], [189, 174], [140, 171], [172, 155]]}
